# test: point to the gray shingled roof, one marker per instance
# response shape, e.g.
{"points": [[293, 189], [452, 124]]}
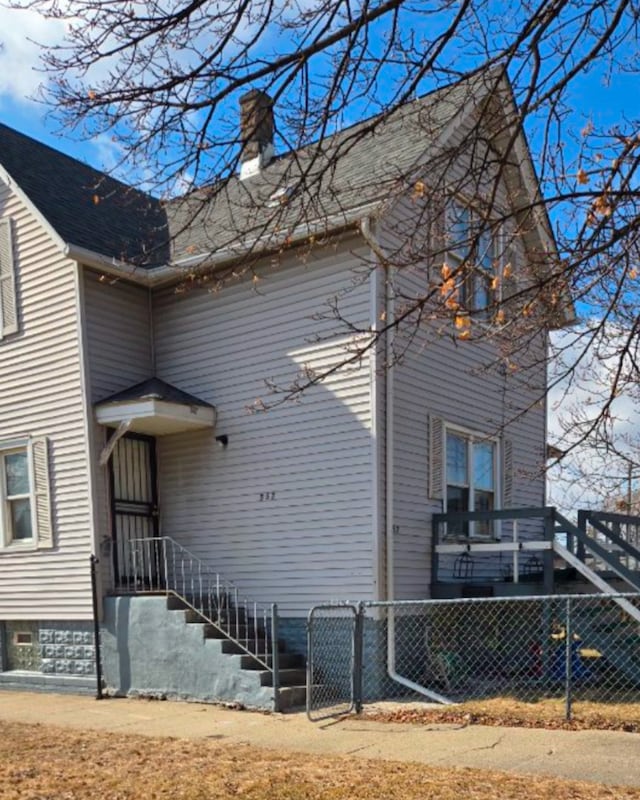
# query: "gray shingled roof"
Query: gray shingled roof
{"points": [[125, 223], [366, 163], [363, 165], [155, 389]]}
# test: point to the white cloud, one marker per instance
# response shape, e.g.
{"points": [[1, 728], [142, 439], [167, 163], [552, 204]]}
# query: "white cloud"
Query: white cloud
{"points": [[21, 34], [109, 152], [592, 474]]}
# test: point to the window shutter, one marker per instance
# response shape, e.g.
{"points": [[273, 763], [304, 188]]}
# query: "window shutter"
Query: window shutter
{"points": [[509, 284], [509, 288], [437, 236], [41, 492], [8, 307], [436, 457], [507, 473]]}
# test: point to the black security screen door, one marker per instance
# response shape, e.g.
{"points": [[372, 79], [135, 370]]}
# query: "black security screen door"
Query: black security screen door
{"points": [[134, 501]]}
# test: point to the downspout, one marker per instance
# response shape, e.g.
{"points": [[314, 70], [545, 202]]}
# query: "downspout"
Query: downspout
{"points": [[376, 449], [389, 473]]}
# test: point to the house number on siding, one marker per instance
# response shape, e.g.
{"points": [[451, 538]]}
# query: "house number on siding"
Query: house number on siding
{"points": [[267, 496]]}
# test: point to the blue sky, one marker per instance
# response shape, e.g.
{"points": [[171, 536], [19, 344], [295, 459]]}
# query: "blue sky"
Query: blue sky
{"points": [[19, 80], [594, 97]]}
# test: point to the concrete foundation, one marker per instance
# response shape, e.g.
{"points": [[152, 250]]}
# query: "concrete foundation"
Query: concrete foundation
{"points": [[50, 655], [293, 632]]}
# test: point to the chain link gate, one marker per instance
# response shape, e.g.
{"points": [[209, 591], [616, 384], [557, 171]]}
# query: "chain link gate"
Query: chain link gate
{"points": [[334, 660]]}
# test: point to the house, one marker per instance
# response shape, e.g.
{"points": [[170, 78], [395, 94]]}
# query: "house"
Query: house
{"points": [[124, 424]]}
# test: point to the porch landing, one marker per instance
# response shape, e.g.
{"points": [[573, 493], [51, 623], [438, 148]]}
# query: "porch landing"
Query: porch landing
{"points": [[532, 551]]}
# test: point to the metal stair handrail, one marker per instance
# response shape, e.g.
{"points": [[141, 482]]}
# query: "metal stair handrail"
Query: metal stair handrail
{"points": [[160, 564]]}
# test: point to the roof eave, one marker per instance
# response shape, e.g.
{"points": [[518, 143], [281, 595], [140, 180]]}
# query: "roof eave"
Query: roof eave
{"points": [[157, 276], [122, 269], [269, 242]]}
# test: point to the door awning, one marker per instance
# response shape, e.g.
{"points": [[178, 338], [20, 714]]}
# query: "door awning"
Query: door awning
{"points": [[155, 408]]}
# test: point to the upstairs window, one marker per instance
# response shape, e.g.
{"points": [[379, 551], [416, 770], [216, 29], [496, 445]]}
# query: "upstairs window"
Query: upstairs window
{"points": [[472, 257], [25, 513], [8, 305]]}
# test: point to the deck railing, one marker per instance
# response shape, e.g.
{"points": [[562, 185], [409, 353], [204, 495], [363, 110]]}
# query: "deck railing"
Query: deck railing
{"points": [[509, 545], [619, 534], [519, 544]]}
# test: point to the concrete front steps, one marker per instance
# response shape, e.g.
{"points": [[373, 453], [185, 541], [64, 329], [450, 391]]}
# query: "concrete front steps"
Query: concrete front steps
{"points": [[292, 671], [154, 646]]}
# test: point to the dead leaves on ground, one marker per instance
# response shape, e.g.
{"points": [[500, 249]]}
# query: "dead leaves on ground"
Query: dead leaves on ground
{"points": [[47, 763], [548, 714]]}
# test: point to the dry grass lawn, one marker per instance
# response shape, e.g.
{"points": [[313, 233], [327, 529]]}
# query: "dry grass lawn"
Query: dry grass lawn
{"points": [[47, 763], [544, 713]]}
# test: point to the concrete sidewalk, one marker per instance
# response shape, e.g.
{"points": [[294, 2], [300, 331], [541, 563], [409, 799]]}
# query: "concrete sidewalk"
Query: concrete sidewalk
{"points": [[608, 757]]}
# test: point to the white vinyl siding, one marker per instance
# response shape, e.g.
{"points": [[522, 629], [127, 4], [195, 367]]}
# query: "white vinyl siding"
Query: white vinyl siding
{"points": [[8, 300], [312, 539], [42, 398], [118, 331], [442, 380], [119, 354], [424, 385]]}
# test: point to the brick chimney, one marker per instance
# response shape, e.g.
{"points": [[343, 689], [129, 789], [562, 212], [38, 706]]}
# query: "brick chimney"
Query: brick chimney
{"points": [[256, 132]]}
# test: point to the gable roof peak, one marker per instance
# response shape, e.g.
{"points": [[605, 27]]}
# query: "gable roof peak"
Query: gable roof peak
{"points": [[84, 206]]}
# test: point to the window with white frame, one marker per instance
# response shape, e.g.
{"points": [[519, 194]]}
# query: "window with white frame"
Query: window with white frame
{"points": [[25, 512], [471, 478], [472, 257], [17, 489]]}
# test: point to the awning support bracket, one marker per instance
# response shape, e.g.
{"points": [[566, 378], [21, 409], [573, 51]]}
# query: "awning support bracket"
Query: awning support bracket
{"points": [[119, 432]]}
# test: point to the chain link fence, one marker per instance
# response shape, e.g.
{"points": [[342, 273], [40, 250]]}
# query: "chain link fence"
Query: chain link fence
{"points": [[571, 648]]}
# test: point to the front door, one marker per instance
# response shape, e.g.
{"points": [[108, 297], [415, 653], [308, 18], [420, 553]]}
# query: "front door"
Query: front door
{"points": [[134, 512]]}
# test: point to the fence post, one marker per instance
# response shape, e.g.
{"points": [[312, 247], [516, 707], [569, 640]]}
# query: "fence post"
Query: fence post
{"points": [[93, 561], [358, 662], [568, 655], [309, 663], [275, 663]]}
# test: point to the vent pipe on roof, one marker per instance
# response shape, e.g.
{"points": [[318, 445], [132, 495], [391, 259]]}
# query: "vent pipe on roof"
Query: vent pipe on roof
{"points": [[256, 132]]}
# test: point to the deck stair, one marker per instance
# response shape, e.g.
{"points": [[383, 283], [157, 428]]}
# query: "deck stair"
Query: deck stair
{"points": [[608, 542]]}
